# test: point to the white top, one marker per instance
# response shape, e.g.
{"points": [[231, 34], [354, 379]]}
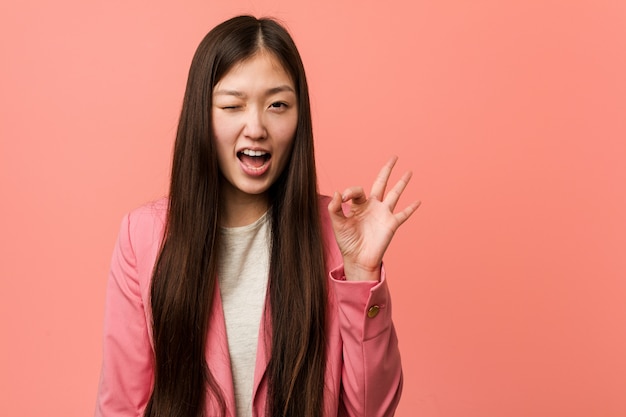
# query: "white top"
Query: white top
{"points": [[243, 269]]}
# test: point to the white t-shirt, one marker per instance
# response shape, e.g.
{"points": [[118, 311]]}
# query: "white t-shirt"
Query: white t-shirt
{"points": [[243, 269]]}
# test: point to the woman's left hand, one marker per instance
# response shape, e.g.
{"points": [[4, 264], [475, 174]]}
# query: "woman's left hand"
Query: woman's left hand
{"points": [[364, 233]]}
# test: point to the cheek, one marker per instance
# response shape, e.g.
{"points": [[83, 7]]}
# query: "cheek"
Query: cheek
{"points": [[221, 140], [285, 144], [285, 133], [220, 128], [225, 136]]}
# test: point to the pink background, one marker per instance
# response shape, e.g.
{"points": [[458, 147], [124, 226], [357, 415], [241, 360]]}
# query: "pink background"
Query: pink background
{"points": [[510, 281]]}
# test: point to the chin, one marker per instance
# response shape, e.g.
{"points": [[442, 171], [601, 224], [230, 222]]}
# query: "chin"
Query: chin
{"points": [[254, 191]]}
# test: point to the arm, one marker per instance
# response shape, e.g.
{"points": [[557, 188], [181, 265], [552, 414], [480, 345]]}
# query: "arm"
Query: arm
{"points": [[371, 372], [126, 375]]}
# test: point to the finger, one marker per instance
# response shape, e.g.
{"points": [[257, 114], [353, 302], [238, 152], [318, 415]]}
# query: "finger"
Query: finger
{"points": [[394, 194], [356, 194], [380, 183], [404, 215], [334, 207]]}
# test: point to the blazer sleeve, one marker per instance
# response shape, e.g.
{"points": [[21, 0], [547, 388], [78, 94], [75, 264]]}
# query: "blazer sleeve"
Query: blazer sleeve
{"points": [[372, 372], [127, 368]]}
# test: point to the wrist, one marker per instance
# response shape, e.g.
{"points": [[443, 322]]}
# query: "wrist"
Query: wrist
{"points": [[357, 272]]}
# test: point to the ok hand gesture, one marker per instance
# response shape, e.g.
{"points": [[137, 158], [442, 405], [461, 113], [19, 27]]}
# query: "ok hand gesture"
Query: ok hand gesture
{"points": [[364, 233]]}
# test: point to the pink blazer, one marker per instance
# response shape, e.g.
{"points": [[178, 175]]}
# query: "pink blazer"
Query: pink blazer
{"points": [[363, 371]]}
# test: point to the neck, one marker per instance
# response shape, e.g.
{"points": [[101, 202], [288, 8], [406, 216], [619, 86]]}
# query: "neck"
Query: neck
{"points": [[241, 210]]}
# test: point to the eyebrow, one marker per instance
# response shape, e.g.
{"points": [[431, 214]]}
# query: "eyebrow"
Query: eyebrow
{"points": [[269, 92]]}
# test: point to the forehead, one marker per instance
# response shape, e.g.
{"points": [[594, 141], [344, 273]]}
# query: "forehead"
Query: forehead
{"points": [[261, 70]]}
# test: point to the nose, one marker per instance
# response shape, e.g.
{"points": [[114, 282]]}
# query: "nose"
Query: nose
{"points": [[254, 125]]}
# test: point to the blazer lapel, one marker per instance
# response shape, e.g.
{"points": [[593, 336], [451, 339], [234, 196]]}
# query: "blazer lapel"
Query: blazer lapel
{"points": [[263, 353], [217, 355]]}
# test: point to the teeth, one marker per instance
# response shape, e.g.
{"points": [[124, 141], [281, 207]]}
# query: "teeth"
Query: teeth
{"points": [[250, 152]]}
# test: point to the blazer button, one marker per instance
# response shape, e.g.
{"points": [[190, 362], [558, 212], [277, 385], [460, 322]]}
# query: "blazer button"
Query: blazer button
{"points": [[373, 311]]}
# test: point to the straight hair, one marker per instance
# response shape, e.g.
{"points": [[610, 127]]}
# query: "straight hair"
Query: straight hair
{"points": [[185, 273]]}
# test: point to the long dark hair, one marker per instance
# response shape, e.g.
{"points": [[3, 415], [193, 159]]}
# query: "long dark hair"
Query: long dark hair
{"points": [[184, 277]]}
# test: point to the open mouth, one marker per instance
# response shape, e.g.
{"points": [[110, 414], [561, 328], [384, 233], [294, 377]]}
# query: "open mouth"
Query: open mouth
{"points": [[254, 159]]}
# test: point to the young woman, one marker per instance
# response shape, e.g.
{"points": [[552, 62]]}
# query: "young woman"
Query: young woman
{"points": [[245, 293]]}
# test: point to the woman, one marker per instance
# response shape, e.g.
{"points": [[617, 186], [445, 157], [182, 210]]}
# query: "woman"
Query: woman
{"points": [[245, 293]]}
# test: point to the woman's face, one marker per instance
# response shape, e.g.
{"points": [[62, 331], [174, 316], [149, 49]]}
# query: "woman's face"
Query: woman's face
{"points": [[255, 114]]}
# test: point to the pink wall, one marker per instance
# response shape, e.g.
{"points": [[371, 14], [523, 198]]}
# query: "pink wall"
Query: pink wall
{"points": [[509, 283]]}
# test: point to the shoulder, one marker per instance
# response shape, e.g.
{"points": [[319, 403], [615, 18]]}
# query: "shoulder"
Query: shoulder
{"points": [[332, 253], [138, 243], [148, 217], [322, 202], [143, 228]]}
